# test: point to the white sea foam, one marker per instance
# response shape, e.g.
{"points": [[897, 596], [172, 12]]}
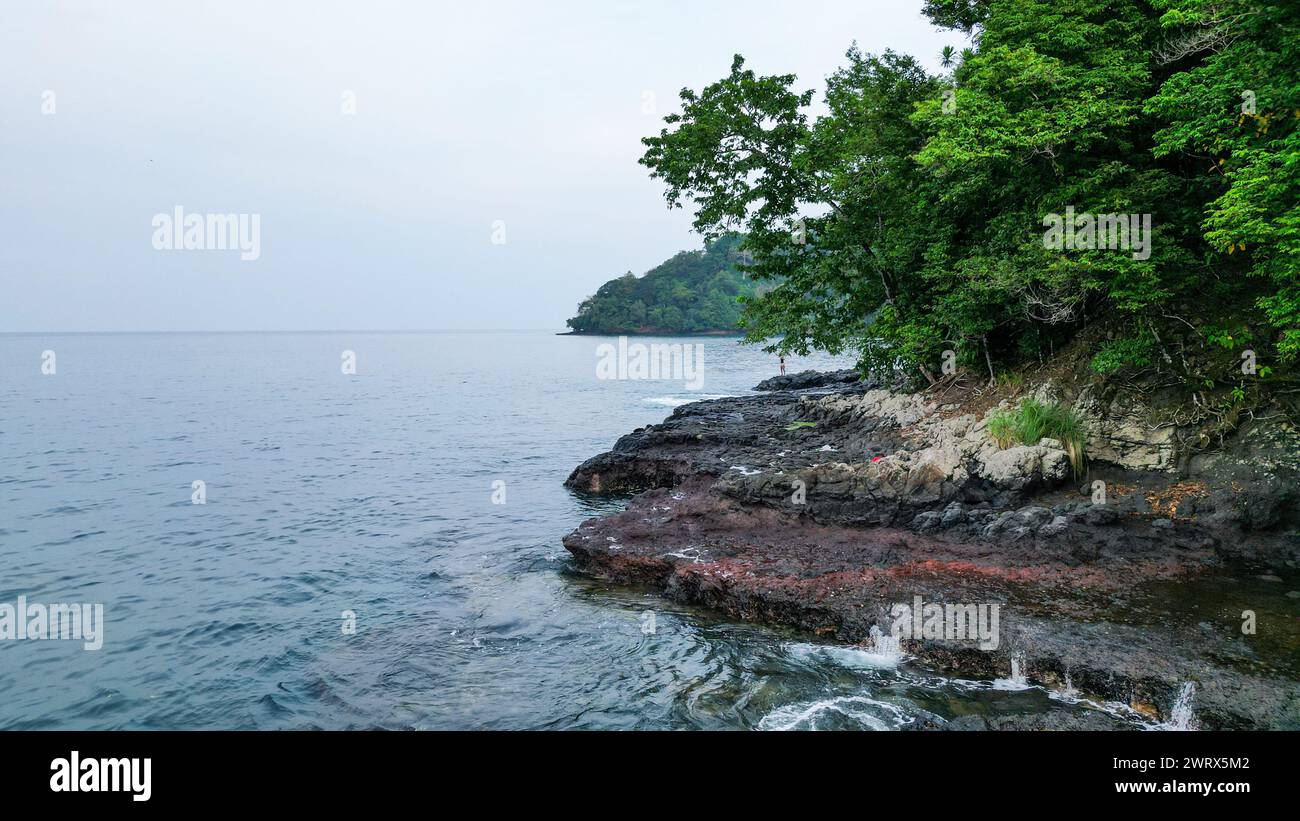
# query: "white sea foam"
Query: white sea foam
{"points": [[854, 657], [676, 401], [1017, 680], [1182, 717], [811, 715], [886, 645]]}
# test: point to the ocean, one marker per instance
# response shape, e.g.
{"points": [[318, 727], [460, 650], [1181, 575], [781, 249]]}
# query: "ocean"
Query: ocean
{"points": [[377, 549]]}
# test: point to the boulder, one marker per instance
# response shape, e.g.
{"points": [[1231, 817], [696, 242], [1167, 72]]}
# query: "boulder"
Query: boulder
{"points": [[805, 380]]}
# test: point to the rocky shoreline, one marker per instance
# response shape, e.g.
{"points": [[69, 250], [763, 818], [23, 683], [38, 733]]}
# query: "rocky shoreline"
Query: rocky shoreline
{"points": [[825, 500]]}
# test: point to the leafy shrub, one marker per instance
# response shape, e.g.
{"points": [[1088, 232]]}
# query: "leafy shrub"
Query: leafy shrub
{"points": [[1122, 353]]}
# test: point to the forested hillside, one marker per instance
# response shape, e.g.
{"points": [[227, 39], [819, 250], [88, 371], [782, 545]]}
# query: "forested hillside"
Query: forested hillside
{"points": [[1134, 163], [694, 292]]}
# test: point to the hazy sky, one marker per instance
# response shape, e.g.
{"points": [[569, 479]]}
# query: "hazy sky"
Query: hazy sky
{"points": [[465, 114]]}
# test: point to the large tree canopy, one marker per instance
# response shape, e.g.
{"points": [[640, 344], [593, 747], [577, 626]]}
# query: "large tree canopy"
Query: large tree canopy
{"points": [[909, 218]]}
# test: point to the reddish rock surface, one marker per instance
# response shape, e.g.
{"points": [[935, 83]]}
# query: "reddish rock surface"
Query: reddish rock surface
{"points": [[1074, 581]]}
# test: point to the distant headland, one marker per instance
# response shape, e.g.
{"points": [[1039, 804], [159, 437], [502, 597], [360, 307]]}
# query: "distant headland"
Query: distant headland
{"points": [[693, 293]]}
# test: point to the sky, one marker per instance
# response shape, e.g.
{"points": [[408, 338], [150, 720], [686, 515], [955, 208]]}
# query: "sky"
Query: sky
{"points": [[409, 165]]}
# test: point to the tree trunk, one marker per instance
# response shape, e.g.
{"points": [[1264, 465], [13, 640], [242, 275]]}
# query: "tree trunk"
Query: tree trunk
{"points": [[988, 360]]}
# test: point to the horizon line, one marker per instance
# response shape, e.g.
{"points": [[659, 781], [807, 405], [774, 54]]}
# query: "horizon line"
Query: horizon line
{"points": [[284, 331]]}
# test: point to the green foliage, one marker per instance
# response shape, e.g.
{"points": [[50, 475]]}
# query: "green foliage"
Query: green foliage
{"points": [[694, 291], [1233, 106], [956, 14], [908, 218], [1034, 421], [1010, 380], [798, 425], [1227, 339], [1002, 427], [744, 154], [1118, 354]]}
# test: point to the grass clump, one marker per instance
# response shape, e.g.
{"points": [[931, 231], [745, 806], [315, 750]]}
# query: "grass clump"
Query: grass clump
{"points": [[1011, 380], [797, 425], [1034, 421], [1002, 427]]}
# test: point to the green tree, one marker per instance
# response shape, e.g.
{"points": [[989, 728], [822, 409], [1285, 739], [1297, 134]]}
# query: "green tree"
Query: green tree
{"points": [[1229, 112], [694, 291], [827, 208], [909, 218]]}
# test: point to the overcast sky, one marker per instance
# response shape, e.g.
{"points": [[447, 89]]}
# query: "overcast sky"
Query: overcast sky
{"points": [[465, 114]]}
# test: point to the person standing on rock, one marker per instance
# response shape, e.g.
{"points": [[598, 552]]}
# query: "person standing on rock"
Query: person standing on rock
{"points": [[783, 366]]}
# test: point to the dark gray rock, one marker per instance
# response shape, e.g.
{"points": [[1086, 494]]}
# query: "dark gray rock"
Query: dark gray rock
{"points": [[805, 380], [750, 514], [926, 521]]}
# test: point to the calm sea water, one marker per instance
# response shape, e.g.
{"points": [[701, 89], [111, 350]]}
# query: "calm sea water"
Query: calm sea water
{"points": [[373, 494]]}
